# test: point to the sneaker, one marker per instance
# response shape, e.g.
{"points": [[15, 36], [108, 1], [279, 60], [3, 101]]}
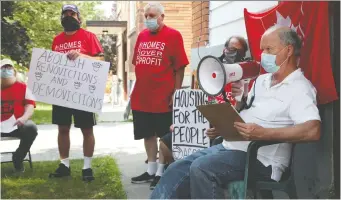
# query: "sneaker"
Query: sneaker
{"points": [[144, 178], [61, 171], [18, 165], [155, 182], [87, 175]]}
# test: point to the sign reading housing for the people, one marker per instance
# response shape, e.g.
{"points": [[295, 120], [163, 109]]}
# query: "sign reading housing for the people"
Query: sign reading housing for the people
{"points": [[78, 84], [189, 124]]}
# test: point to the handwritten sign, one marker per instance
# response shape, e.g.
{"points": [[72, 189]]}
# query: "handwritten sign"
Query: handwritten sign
{"points": [[78, 84], [189, 124]]}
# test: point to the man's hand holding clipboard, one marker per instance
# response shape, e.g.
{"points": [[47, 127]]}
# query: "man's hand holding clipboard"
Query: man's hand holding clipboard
{"points": [[222, 118], [226, 120]]}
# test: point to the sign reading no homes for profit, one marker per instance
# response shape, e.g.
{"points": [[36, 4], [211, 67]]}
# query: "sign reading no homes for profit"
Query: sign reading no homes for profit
{"points": [[189, 124], [78, 84]]}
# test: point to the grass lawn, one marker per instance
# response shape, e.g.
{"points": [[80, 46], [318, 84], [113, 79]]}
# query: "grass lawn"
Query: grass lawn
{"points": [[42, 114], [35, 184]]}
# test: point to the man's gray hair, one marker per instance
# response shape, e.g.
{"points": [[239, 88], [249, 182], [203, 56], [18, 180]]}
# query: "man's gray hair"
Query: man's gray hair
{"points": [[158, 6], [287, 36]]}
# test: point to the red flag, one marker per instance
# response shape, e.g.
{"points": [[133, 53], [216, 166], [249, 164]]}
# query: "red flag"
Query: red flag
{"points": [[310, 20]]}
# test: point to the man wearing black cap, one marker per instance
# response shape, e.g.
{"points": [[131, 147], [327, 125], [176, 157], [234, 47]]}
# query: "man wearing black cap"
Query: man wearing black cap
{"points": [[75, 42]]}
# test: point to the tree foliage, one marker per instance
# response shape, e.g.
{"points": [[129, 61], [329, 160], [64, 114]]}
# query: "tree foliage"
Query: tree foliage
{"points": [[40, 21], [108, 43], [14, 38]]}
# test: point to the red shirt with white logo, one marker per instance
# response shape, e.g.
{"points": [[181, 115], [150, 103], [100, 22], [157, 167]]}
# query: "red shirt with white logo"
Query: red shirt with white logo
{"points": [[156, 57], [220, 98], [14, 99], [82, 41]]}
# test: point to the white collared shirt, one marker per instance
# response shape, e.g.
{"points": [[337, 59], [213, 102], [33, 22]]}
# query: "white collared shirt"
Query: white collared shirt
{"points": [[291, 102]]}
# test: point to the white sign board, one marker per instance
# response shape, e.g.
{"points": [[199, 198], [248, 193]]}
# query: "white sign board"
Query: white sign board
{"points": [[78, 84], [189, 124]]}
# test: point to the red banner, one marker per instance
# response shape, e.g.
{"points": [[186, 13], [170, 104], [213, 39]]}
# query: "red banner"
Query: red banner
{"points": [[310, 20]]}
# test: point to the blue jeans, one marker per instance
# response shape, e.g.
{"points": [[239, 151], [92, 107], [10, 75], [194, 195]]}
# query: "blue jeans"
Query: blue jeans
{"points": [[203, 174]]}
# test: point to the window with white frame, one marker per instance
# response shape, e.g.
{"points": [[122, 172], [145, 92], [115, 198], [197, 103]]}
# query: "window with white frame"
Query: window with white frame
{"points": [[132, 15]]}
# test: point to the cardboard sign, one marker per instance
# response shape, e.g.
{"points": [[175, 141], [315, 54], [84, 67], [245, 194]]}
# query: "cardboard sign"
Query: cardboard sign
{"points": [[78, 84], [189, 124]]}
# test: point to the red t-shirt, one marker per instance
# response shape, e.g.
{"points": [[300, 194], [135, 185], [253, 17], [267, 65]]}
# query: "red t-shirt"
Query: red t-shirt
{"points": [[228, 92], [14, 99], [220, 98], [156, 57], [82, 41]]}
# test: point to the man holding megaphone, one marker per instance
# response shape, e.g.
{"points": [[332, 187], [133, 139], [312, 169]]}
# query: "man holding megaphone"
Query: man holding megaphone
{"points": [[235, 49], [281, 107]]}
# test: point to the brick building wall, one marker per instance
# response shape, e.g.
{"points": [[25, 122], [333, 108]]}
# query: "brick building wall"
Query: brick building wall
{"points": [[178, 15], [200, 29]]}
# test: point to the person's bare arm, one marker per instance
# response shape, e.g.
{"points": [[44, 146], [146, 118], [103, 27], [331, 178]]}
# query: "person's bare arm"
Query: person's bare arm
{"points": [[29, 110], [305, 132], [236, 91], [240, 104], [179, 77]]}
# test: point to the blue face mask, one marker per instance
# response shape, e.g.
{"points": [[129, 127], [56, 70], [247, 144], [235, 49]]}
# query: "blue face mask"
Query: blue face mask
{"points": [[151, 24], [7, 73], [268, 62]]}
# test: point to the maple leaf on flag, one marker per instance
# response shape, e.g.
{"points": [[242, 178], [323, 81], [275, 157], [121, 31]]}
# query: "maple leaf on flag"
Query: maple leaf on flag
{"points": [[285, 21]]}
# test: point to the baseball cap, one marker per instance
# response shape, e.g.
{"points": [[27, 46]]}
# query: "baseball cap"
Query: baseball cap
{"points": [[6, 62], [70, 7]]}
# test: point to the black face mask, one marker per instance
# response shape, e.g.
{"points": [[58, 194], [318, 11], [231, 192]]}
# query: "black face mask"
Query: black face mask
{"points": [[232, 57], [70, 24]]}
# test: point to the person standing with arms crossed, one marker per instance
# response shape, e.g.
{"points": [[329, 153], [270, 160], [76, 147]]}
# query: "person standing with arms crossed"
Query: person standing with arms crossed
{"points": [[75, 42], [160, 60]]}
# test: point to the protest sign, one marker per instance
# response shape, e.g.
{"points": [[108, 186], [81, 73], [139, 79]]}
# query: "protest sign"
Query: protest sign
{"points": [[189, 124], [78, 84]]}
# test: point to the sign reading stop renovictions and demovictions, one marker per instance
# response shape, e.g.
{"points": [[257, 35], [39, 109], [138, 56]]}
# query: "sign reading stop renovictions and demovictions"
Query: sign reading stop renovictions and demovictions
{"points": [[78, 84], [190, 125]]}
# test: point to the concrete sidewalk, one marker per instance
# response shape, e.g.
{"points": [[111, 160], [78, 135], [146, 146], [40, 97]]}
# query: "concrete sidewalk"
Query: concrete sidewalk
{"points": [[114, 139]]}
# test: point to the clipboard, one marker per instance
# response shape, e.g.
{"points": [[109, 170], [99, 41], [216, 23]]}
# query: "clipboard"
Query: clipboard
{"points": [[222, 117]]}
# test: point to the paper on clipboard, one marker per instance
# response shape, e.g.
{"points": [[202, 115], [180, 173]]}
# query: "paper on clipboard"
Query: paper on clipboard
{"points": [[7, 126], [222, 117]]}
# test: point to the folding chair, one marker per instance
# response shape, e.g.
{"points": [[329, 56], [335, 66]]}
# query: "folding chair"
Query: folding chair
{"points": [[238, 189], [29, 159]]}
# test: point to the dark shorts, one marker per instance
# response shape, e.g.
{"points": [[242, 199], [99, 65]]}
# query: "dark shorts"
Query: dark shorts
{"points": [[147, 125], [63, 116], [167, 140]]}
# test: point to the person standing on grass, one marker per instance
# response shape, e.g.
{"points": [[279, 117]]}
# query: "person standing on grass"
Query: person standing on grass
{"points": [[160, 60], [17, 101], [75, 42]]}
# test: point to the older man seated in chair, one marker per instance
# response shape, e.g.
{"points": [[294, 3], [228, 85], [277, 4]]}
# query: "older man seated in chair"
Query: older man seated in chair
{"points": [[283, 108], [16, 101]]}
